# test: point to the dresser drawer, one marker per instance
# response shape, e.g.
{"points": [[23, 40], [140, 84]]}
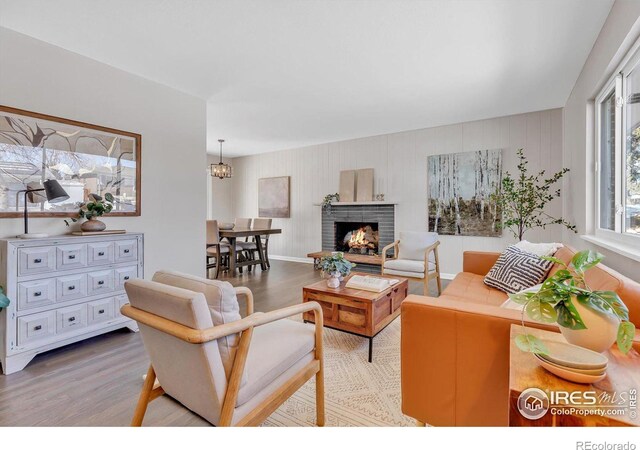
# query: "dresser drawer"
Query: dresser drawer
{"points": [[100, 282], [100, 310], [71, 318], [124, 274], [36, 327], [72, 256], [36, 260], [71, 286], [126, 251], [99, 253], [121, 300], [32, 294]]}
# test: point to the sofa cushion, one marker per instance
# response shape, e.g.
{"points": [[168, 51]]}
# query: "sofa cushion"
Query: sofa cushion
{"points": [[516, 270], [413, 244], [223, 307], [275, 347], [470, 287]]}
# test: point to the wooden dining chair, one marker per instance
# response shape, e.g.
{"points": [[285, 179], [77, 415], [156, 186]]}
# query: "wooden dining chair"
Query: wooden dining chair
{"points": [[218, 252], [252, 248], [273, 358], [243, 223]]}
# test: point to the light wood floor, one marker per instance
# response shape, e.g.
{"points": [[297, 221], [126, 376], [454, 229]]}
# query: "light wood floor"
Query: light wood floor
{"points": [[96, 382]]}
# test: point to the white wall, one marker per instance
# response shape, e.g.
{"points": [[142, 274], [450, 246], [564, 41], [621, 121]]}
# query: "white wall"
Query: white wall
{"points": [[400, 163], [39, 77], [618, 34], [219, 193]]}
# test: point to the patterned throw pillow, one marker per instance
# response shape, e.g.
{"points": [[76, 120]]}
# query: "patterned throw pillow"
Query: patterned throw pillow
{"points": [[516, 270]]}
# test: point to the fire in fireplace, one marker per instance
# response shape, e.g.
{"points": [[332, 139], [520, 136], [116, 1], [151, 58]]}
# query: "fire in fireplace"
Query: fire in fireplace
{"points": [[357, 237]]}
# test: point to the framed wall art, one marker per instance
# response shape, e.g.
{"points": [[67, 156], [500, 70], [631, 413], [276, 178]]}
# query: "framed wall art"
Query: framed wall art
{"points": [[83, 158], [273, 197], [463, 188]]}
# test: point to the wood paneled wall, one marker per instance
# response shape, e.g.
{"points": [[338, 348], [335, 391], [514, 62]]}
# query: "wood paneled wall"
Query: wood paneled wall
{"points": [[400, 163]]}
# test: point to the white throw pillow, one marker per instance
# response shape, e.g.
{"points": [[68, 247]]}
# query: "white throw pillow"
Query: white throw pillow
{"points": [[541, 249], [510, 304]]}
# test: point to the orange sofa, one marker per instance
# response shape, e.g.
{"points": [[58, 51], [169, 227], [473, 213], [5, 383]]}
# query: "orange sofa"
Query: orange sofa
{"points": [[455, 348]]}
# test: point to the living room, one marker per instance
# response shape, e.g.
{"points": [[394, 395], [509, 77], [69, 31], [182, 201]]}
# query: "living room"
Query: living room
{"points": [[439, 194]]}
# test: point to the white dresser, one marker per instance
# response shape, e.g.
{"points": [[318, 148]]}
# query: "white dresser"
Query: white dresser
{"points": [[63, 289]]}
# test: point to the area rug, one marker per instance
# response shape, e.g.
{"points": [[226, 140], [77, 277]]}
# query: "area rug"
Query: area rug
{"points": [[357, 393]]}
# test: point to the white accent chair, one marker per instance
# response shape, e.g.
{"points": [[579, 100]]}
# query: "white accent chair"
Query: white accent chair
{"points": [[231, 371], [415, 255]]}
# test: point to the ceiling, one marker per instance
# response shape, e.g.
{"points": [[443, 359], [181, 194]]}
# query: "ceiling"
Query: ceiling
{"points": [[281, 74]]}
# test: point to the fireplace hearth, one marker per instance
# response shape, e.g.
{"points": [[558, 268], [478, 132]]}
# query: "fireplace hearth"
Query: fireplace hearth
{"points": [[357, 237]]}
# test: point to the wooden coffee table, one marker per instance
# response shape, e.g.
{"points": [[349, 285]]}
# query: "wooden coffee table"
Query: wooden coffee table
{"points": [[355, 311]]}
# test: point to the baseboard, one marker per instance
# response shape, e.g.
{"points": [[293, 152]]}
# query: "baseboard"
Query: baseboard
{"points": [[292, 259]]}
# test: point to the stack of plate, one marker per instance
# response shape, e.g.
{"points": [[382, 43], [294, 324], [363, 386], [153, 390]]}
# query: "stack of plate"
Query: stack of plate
{"points": [[573, 363]]}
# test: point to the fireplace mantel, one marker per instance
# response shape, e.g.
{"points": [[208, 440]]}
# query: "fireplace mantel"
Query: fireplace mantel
{"points": [[372, 203]]}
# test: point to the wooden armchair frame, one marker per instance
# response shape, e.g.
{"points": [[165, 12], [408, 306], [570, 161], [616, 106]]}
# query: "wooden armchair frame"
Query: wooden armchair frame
{"points": [[152, 390], [427, 276]]}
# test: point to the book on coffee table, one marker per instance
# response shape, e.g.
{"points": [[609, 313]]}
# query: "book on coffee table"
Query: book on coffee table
{"points": [[370, 283]]}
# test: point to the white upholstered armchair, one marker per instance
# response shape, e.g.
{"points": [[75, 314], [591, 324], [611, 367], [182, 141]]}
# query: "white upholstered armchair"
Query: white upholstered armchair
{"points": [[415, 255], [232, 371]]}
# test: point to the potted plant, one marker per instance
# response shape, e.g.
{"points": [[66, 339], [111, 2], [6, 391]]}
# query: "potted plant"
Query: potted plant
{"points": [[4, 300], [587, 318], [336, 266], [523, 200], [328, 200], [91, 210]]}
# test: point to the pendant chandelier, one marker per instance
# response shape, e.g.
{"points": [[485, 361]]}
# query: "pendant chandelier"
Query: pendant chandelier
{"points": [[221, 170]]}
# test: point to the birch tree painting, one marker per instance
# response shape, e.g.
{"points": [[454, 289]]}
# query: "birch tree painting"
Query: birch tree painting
{"points": [[463, 188]]}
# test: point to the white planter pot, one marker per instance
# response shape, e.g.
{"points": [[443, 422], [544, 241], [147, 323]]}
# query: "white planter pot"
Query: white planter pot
{"points": [[601, 331], [334, 280]]}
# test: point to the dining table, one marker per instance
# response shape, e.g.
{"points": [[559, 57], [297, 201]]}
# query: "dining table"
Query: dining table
{"points": [[232, 236]]}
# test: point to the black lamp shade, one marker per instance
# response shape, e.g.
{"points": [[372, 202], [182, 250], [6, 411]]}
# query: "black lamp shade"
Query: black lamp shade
{"points": [[54, 192]]}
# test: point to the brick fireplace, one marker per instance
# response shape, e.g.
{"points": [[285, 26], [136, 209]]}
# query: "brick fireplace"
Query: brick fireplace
{"points": [[371, 226]]}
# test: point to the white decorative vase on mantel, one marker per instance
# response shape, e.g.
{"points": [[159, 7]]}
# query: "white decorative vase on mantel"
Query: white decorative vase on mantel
{"points": [[601, 331]]}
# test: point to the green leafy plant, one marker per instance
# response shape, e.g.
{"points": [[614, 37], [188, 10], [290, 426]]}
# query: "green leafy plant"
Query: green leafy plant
{"points": [[553, 302], [96, 207], [523, 200], [328, 199], [4, 300], [336, 263]]}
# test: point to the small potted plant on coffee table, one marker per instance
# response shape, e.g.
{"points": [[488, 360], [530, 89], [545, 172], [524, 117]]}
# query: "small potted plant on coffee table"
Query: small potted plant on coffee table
{"points": [[336, 266]]}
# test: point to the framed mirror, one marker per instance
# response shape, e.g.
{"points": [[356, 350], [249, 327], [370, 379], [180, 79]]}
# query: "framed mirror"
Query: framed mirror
{"points": [[83, 158]]}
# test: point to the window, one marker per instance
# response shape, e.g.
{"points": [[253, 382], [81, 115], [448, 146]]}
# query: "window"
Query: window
{"points": [[618, 156]]}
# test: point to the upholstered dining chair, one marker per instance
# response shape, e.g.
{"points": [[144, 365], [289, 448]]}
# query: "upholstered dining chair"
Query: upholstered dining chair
{"points": [[252, 248], [415, 255], [230, 372], [217, 251]]}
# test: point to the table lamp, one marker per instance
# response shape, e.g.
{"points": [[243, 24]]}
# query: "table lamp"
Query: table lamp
{"points": [[54, 193]]}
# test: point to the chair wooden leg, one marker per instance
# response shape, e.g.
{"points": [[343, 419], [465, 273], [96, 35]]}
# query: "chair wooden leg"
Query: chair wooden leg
{"points": [[439, 282], [320, 417], [145, 398], [420, 424], [218, 262], [426, 285]]}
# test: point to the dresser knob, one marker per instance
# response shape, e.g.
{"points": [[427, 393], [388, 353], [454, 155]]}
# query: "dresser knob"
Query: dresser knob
{"points": [[101, 311], [37, 294], [126, 278], [37, 327], [37, 261], [126, 250], [100, 253], [101, 282], [72, 256], [71, 288], [72, 318]]}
